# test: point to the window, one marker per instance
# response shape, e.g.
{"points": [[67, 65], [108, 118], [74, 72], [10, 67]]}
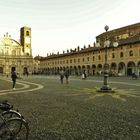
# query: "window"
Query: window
{"points": [[99, 57], [67, 62], [121, 54], [27, 54], [27, 33], [14, 52], [87, 58], [83, 59], [131, 53], [113, 55], [93, 58]]}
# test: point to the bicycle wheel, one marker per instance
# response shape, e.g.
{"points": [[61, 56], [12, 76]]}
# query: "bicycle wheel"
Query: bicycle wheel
{"points": [[10, 114], [14, 129], [5, 115]]}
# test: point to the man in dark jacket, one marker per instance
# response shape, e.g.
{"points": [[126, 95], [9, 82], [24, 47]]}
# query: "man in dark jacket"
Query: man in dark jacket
{"points": [[14, 77]]}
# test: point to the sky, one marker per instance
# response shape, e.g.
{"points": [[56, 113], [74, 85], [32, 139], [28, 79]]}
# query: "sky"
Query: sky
{"points": [[58, 25]]}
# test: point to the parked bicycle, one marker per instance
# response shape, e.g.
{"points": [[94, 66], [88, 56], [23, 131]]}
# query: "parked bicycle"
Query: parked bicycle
{"points": [[12, 125], [7, 111]]}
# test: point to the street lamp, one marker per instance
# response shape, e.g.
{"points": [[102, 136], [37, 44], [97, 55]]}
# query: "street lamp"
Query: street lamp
{"points": [[106, 87]]}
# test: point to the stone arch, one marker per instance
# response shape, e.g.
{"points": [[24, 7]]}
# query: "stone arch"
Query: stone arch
{"points": [[83, 68], [71, 70], [88, 69], [138, 68], [131, 68], [1, 70], [93, 69], [79, 70], [138, 64], [75, 70], [121, 69], [113, 69], [99, 69]]}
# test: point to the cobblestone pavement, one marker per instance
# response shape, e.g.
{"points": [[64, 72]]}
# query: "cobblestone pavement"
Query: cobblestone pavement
{"points": [[78, 112]]}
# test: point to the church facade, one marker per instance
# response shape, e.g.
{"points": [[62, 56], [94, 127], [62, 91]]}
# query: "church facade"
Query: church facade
{"points": [[16, 55], [122, 60]]}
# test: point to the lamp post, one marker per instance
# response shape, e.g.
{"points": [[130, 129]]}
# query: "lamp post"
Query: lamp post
{"points": [[106, 87]]}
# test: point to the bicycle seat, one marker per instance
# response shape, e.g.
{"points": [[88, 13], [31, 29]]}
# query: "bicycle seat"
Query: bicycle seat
{"points": [[5, 106]]}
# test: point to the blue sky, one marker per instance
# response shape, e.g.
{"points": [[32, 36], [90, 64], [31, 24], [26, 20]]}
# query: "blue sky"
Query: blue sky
{"points": [[59, 25]]}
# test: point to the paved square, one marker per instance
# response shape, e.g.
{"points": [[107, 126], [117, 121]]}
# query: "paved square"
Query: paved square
{"points": [[75, 111]]}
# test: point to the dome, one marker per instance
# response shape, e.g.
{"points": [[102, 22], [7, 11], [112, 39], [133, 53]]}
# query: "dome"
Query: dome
{"points": [[9, 46], [8, 42]]}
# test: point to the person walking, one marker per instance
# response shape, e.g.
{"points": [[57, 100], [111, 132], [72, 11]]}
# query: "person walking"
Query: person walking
{"points": [[61, 76], [83, 76], [14, 77], [67, 76]]}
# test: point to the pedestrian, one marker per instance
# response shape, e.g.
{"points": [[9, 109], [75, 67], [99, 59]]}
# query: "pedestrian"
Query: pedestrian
{"points": [[61, 76], [67, 76], [83, 76], [14, 77]]}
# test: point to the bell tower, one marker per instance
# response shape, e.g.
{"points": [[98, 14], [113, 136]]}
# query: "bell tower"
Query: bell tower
{"points": [[25, 40]]}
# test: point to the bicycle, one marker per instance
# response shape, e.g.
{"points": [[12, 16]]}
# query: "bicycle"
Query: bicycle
{"points": [[6, 110], [12, 124], [14, 129]]}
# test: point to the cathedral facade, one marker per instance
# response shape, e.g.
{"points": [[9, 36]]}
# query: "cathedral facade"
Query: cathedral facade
{"points": [[122, 60], [16, 56]]}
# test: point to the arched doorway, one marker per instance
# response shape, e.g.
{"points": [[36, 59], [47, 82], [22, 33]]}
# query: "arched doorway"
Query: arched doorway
{"points": [[131, 68], [138, 68], [121, 69], [83, 68], [1, 70], [71, 70], [99, 69], [25, 71], [75, 70], [94, 69], [88, 70], [79, 70], [113, 69]]}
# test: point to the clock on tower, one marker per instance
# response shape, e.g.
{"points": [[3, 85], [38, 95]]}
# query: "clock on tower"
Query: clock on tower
{"points": [[27, 40]]}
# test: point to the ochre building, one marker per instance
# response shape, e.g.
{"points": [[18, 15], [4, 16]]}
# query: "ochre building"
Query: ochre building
{"points": [[122, 60], [16, 55]]}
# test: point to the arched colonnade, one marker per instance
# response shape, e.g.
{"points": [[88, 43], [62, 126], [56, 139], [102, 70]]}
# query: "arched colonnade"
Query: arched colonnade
{"points": [[115, 69]]}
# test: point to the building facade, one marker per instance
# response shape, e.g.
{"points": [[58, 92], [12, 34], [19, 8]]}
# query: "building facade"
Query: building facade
{"points": [[122, 60], [16, 55]]}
